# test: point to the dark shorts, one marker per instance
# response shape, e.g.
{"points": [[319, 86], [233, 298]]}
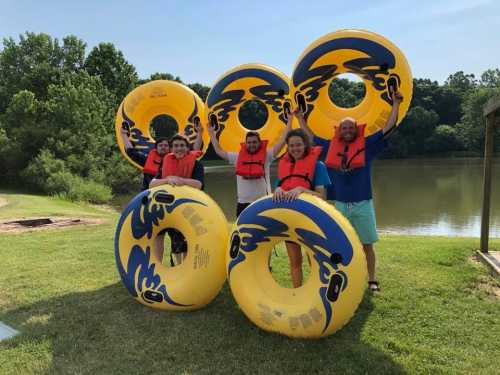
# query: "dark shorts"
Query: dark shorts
{"points": [[177, 240], [240, 207]]}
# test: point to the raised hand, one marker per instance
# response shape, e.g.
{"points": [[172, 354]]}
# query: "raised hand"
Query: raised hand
{"points": [[297, 112], [197, 125], [396, 97]]}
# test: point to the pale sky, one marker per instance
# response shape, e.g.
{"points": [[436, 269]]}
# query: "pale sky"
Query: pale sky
{"points": [[200, 40]]}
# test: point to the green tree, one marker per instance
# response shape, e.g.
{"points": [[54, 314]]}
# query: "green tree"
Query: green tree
{"points": [[413, 133], [491, 78], [471, 129], [345, 93], [446, 102], [200, 89], [35, 62], [461, 83], [164, 76], [444, 138], [109, 64]]}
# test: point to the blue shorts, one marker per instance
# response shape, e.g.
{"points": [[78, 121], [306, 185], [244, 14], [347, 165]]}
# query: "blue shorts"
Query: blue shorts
{"points": [[361, 215]]}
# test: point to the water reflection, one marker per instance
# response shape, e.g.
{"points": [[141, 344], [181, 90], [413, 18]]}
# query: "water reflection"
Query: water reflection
{"points": [[425, 196]]}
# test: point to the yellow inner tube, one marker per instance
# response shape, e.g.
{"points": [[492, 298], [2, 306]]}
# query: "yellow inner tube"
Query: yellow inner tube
{"points": [[378, 62], [199, 278], [336, 284], [155, 98], [239, 85]]}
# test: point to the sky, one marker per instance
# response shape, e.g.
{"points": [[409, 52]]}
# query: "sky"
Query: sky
{"points": [[200, 40]]}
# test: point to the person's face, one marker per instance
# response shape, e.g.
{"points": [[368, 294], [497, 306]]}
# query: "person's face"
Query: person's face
{"points": [[179, 148], [252, 144], [296, 147], [163, 148], [348, 130]]}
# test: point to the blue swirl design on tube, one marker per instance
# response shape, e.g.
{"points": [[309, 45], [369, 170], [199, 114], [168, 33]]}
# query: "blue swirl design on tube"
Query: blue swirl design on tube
{"points": [[255, 228], [374, 68], [222, 102], [140, 273]]}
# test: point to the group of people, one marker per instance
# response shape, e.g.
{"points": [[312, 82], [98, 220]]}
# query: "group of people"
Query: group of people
{"points": [[336, 169]]}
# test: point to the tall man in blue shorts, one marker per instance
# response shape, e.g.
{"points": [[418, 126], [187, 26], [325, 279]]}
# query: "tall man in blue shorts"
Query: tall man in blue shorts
{"points": [[348, 156]]}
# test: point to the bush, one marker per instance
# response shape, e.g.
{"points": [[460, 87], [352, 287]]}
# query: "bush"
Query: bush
{"points": [[121, 176], [50, 175], [79, 189]]}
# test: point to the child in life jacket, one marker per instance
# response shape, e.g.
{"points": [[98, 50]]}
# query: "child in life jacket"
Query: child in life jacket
{"points": [[180, 168]]}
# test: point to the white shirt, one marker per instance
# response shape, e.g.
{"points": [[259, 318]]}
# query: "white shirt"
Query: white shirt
{"points": [[249, 190]]}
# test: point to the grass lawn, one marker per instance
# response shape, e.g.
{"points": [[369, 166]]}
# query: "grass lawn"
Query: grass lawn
{"points": [[438, 312]]}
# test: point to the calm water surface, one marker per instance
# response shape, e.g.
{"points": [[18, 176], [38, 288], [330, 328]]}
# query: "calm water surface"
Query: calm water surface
{"points": [[415, 196]]}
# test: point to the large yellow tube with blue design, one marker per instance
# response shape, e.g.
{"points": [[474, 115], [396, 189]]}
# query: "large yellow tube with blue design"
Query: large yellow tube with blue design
{"points": [[152, 99], [199, 278], [337, 281], [233, 89], [378, 62]]}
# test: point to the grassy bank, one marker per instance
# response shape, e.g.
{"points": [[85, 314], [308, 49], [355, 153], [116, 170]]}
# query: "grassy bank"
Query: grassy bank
{"points": [[437, 313]]}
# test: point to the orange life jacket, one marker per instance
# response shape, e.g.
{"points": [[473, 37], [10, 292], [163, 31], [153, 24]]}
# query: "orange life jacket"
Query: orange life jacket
{"points": [[153, 163], [179, 167], [251, 166], [343, 155], [292, 174]]}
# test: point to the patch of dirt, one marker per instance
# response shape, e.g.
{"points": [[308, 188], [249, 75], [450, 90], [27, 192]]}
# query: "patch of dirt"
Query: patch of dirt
{"points": [[13, 225], [486, 283]]}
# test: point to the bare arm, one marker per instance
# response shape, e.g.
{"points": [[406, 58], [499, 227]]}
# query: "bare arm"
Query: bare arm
{"points": [[176, 181], [126, 142], [215, 143], [281, 141], [190, 182], [288, 196], [397, 98], [302, 122], [199, 136]]}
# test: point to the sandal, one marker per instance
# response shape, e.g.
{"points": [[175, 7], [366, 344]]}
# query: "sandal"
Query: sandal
{"points": [[373, 286]]}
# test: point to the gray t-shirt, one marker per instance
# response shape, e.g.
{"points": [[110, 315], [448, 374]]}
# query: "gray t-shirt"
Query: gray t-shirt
{"points": [[249, 190]]}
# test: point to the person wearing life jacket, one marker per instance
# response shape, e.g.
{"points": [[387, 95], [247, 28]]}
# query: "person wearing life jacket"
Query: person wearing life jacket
{"points": [[151, 160], [252, 164], [179, 168], [348, 156], [299, 171]]}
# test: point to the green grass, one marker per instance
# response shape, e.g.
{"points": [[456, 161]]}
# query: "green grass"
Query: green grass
{"points": [[437, 313], [24, 205]]}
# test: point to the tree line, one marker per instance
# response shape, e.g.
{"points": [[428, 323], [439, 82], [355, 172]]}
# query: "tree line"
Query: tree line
{"points": [[58, 102]]}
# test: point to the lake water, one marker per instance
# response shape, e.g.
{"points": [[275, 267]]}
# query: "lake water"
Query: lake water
{"points": [[415, 196]]}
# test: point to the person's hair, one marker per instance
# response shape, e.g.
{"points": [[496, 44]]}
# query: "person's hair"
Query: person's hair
{"points": [[252, 134], [179, 137], [348, 119], [305, 138], [162, 139]]}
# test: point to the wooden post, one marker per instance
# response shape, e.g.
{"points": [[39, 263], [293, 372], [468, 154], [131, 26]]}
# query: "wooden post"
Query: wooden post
{"points": [[488, 150], [489, 111]]}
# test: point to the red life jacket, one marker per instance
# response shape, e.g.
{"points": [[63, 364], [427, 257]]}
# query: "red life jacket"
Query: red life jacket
{"points": [[343, 155], [179, 167], [298, 173], [251, 166], [153, 163]]}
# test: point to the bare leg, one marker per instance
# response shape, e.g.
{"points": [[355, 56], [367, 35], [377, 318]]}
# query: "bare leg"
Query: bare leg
{"points": [[370, 261], [295, 256], [159, 247], [179, 258]]}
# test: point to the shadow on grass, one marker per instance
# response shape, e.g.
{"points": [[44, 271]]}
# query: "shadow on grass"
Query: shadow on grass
{"points": [[106, 332]]}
